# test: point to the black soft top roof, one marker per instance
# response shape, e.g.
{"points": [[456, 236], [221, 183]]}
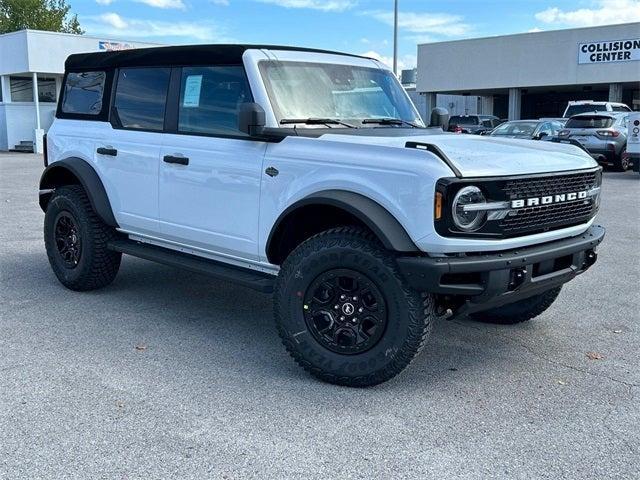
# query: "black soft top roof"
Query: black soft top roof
{"points": [[174, 55]]}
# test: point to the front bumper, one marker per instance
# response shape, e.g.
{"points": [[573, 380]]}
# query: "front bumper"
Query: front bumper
{"points": [[489, 280]]}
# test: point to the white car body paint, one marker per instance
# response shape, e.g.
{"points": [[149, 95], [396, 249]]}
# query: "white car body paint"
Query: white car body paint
{"points": [[224, 207]]}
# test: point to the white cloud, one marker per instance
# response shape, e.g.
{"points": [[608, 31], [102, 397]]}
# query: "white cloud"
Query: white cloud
{"points": [[605, 12], [115, 26], [220, 3], [104, 2], [404, 61], [115, 20], [442, 24], [324, 5], [534, 30], [164, 3]]}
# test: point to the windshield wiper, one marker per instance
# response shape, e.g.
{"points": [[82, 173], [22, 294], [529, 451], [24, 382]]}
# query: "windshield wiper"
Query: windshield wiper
{"points": [[389, 121], [316, 121]]}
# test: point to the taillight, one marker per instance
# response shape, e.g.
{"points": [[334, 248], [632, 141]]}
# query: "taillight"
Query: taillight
{"points": [[563, 133], [45, 155], [608, 133], [457, 129]]}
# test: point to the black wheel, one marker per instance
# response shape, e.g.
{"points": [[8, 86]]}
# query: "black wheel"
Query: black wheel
{"points": [[521, 311], [344, 313], [622, 163], [76, 241]]}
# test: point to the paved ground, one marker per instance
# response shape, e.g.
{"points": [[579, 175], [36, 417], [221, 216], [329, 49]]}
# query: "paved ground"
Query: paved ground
{"points": [[213, 394]]}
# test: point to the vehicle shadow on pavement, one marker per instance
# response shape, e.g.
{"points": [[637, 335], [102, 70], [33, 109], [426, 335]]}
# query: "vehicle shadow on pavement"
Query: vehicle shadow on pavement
{"points": [[205, 323]]}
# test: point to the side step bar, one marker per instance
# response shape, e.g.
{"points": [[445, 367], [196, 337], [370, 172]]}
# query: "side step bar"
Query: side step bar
{"points": [[262, 282]]}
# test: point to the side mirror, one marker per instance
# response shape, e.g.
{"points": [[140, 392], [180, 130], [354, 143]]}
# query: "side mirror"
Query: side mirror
{"points": [[439, 118], [251, 119], [540, 136]]}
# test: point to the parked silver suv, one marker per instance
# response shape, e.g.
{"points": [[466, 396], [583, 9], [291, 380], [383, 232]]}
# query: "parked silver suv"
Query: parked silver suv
{"points": [[603, 134]]}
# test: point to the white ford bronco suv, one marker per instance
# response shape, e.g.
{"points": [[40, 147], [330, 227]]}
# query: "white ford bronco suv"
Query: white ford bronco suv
{"points": [[310, 174]]}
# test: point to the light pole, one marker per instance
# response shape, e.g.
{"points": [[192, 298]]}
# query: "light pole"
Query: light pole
{"points": [[395, 37]]}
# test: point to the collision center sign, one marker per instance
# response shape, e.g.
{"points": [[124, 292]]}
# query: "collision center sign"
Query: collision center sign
{"points": [[609, 51]]}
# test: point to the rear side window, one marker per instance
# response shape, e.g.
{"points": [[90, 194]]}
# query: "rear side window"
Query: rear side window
{"points": [[83, 93], [589, 122], [210, 99], [620, 108], [141, 98], [459, 120]]}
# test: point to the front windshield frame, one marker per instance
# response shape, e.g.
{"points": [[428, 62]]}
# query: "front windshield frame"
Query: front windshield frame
{"points": [[394, 95]]}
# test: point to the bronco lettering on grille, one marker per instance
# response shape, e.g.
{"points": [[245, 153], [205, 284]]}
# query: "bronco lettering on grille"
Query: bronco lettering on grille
{"points": [[549, 199]]}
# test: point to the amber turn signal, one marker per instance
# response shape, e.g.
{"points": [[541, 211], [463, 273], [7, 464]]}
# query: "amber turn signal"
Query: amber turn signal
{"points": [[438, 206]]}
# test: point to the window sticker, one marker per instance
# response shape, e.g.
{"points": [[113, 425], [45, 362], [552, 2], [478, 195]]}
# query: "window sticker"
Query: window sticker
{"points": [[192, 88]]}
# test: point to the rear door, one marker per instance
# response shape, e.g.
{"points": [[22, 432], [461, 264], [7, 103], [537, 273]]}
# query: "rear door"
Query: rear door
{"points": [[129, 155], [210, 172]]}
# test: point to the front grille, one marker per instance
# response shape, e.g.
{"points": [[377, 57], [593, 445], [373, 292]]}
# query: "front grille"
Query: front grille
{"points": [[538, 187], [547, 217]]}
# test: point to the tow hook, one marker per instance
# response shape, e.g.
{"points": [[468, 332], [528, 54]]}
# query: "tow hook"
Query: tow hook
{"points": [[590, 258], [517, 277]]}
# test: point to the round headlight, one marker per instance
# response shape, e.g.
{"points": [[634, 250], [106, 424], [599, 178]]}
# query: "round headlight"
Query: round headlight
{"points": [[468, 220]]}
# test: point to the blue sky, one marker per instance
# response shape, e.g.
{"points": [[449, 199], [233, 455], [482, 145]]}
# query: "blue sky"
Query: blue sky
{"points": [[356, 26]]}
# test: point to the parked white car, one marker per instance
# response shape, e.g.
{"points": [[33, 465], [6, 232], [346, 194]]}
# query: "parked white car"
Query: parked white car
{"points": [[589, 106], [310, 174]]}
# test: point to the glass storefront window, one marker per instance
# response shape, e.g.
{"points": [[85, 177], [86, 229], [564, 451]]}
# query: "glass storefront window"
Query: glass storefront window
{"points": [[22, 89]]}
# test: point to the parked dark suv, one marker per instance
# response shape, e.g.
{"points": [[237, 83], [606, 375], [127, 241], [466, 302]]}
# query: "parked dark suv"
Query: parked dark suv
{"points": [[477, 124]]}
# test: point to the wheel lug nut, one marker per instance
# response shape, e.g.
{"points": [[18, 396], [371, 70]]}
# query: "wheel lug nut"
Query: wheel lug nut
{"points": [[354, 320], [355, 299], [336, 307], [342, 318], [360, 310], [342, 297]]}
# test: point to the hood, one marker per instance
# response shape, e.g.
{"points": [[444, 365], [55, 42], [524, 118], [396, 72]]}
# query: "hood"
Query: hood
{"points": [[485, 156]]}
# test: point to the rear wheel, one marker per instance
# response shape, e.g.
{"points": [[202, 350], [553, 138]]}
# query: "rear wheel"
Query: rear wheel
{"points": [[345, 314], [521, 311], [76, 241], [622, 163]]}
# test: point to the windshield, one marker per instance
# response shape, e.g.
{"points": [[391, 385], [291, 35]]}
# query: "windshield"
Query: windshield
{"points": [[589, 122], [463, 120], [303, 90], [518, 129], [584, 108]]}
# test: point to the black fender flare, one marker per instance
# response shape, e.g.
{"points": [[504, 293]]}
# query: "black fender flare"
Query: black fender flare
{"points": [[377, 218], [57, 175]]}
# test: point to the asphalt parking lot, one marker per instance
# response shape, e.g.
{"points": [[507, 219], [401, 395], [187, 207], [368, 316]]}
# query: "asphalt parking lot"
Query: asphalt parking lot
{"points": [[166, 374]]}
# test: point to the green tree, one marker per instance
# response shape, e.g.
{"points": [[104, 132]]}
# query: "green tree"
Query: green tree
{"points": [[49, 15]]}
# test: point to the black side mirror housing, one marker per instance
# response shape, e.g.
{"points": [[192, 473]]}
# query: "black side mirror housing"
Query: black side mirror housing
{"points": [[540, 136], [439, 118], [251, 119]]}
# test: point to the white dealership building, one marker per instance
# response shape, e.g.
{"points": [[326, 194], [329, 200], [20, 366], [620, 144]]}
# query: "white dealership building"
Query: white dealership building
{"points": [[533, 75], [31, 69]]}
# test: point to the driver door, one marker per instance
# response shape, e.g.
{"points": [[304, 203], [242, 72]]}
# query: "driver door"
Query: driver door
{"points": [[210, 172]]}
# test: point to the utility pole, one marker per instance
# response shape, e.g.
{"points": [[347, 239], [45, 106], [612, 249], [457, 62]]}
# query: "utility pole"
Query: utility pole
{"points": [[395, 37]]}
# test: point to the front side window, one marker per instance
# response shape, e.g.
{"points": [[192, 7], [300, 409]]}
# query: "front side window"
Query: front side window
{"points": [[141, 97], [83, 93], [305, 90], [210, 99]]}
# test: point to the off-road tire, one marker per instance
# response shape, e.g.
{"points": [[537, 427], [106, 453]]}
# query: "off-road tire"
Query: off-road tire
{"points": [[410, 314], [97, 266], [521, 311]]}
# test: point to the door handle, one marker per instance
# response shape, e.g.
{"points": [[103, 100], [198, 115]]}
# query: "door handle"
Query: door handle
{"points": [[112, 152], [175, 159]]}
